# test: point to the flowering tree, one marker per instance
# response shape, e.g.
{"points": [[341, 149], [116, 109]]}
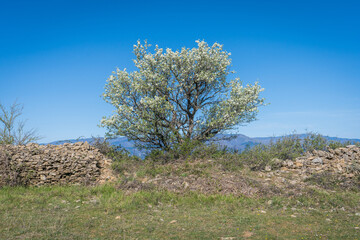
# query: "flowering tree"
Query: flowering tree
{"points": [[178, 96]]}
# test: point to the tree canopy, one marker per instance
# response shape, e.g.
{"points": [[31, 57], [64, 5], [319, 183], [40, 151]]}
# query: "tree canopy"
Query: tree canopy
{"points": [[175, 96]]}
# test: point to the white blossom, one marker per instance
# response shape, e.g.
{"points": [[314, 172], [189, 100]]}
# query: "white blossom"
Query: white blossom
{"points": [[177, 95]]}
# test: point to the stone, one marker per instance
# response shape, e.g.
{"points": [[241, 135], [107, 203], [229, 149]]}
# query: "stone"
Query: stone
{"points": [[55, 164], [317, 160], [298, 164], [289, 163], [268, 168], [340, 161], [94, 201], [351, 146], [276, 162]]}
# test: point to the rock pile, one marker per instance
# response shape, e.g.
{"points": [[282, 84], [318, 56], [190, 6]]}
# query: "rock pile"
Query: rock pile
{"points": [[35, 164], [344, 161]]}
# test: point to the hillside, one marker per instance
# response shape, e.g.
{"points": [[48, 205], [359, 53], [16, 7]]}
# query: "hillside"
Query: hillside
{"points": [[211, 194]]}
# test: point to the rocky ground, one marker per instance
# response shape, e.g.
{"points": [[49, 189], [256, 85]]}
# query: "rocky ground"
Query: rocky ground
{"points": [[325, 169], [342, 164]]}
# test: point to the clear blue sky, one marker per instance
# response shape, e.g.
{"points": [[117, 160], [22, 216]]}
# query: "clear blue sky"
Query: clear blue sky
{"points": [[55, 57]]}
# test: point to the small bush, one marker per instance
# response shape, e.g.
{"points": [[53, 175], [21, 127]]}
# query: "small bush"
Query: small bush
{"points": [[288, 147], [314, 141], [122, 159], [192, 150], [103, 145], [178, 151], [336, 144], [256, 157]]}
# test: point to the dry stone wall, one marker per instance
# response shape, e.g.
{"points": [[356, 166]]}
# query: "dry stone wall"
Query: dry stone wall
{"points": [[35, 164], [344, 161]]}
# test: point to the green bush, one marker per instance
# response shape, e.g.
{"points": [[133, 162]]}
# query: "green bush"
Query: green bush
{"points": [[179, 151], [122, 159], [256, 157], [288, 147], [191, 150]]}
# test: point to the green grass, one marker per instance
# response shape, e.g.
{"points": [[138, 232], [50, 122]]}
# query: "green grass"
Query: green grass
{"points": [[325, 210], [74, 212]]}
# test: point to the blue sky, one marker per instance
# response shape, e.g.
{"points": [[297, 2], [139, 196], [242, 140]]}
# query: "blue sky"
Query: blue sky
{"points": [[55, 57]]}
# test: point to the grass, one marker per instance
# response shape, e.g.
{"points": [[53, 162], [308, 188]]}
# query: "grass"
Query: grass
{"points": [[74, 212], [327, 209], [288, 147], [256, 157]]}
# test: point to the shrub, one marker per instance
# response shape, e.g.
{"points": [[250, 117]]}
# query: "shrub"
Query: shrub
{"points": [[288, 147], [122, 159]]}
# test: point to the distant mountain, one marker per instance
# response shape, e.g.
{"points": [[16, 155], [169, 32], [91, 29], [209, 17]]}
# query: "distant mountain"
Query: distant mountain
{"points": [[119, 141], [233, 141], [240, 141], [267, 140]]}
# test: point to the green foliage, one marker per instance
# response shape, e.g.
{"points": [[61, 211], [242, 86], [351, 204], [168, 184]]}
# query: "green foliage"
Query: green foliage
{"points": [[314, 141], [176, 96], [213, 154], [122, 159], [179, 151], [256, 157], [336, 144], [192, 150], [288, 147]]}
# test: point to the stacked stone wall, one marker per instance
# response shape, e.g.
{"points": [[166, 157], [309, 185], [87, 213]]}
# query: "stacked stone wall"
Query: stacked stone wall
{"points": [[344, 161], [35, 164]]}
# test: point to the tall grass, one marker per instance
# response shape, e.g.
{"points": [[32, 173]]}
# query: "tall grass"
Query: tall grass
{"points": [[288, 147]]}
